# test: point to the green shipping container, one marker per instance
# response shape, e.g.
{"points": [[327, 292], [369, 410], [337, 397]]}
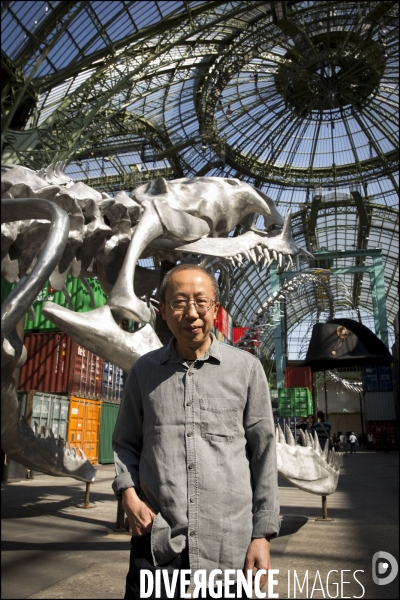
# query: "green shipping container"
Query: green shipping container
{"points": [[294, 402], [108, 418], [80, 298]]}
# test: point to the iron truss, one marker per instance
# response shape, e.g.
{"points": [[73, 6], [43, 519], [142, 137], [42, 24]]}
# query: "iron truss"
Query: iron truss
{"points": [[299, 99]]}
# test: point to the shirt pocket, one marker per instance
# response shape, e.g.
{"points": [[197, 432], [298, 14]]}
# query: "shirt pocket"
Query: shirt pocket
{"points": [[218, 419]]}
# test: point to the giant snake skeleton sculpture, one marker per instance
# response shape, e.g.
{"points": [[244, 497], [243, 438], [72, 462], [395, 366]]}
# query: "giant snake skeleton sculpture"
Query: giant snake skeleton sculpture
{"points": [[53, 227]]}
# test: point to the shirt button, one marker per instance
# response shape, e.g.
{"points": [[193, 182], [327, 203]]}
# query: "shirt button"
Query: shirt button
{"points": [[191, 499], [189, 403], [189, 433], [191, 466], [192, 533], [189, 373]]}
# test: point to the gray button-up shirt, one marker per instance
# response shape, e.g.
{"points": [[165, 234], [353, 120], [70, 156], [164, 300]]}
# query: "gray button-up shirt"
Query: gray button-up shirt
{"points": [[198, 444]]}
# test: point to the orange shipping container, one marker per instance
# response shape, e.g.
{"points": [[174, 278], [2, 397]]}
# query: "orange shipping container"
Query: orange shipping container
{"points": [[84, 426]]}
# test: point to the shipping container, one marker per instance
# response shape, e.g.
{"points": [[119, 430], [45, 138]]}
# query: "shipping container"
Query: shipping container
{"points": [[221, 321], [108, 418], [58, 365], [81, 301], [379, 406], [371, 378], [84, 426], [294, 402], [113, 381], [47, 365], [385, 378], [298, 377], [239, 332], [85, 373], [50, 413], [375, 427]]}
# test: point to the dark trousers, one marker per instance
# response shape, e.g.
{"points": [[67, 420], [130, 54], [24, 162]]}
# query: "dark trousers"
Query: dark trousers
{"points": [[141, 558]]}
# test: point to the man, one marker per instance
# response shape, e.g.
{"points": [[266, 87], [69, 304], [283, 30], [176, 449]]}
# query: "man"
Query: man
{"points": [[352, 440], [323, 429], [194, 445], [371, 441], [385, 440]]}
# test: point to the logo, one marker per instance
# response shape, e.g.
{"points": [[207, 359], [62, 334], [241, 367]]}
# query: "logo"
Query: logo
{"points": [[384, 568]]}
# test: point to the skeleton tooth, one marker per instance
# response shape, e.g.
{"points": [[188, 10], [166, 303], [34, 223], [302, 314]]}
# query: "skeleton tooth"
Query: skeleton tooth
{"points": [[239, 258], [280, 437], [258, 251], [289, 436], [246, 255], [308, 439], [266, 253], [326, 450], [274, 254], [317, 446], [253, 256], [290, 262], [280, 260], [303, 438]]}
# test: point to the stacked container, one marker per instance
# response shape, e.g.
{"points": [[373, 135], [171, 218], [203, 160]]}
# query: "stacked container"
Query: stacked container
{"points": [[294, 402], [57, 364], [375, 427], [108, 418], [62, 384], [298, 377], [80, 301]]}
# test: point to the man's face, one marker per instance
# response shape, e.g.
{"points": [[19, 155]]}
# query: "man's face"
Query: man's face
{"points": [[190, 328]]}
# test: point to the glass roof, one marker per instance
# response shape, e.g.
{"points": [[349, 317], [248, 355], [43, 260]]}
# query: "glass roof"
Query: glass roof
{"points": [[291, 97]]}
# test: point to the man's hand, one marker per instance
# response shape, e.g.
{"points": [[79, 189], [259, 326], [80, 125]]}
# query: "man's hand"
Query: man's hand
{"points": [[258, 556], [140, 515]]}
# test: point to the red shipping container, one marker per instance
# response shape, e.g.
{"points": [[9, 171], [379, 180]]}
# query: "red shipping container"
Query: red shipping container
{"points": [[238, 332], [58, 365], [221, 322], [85, 373], [47, 365], [298, 377]]}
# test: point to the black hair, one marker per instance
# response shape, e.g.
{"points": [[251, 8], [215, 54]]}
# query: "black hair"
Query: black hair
{"points": [[184, 267]]}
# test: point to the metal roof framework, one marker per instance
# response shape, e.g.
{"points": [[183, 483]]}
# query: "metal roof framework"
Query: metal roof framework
{"points": [[297, 98]]}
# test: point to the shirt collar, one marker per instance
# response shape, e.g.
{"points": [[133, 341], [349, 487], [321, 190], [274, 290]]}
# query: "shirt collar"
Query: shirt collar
{"points": [[169, 352]]}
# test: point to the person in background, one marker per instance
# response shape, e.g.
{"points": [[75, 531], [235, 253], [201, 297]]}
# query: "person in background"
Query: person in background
{"points": [[323, 429], [335, 442], [301, 424], [310, 424], [370, 441], [360, 441], [352, 440], [385, 440]]}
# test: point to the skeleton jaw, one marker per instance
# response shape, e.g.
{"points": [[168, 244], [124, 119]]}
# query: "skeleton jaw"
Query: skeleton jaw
{"points": [[307, 467], [253, 247]]}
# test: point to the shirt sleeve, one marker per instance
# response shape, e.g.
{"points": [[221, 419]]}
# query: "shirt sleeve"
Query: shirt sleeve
{"points": [[128, 437], [261, 445]]}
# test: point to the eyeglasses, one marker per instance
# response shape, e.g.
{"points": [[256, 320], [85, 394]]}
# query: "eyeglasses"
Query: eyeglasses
{"points": [[202, 305]]}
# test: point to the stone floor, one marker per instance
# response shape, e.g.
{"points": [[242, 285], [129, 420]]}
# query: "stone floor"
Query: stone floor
{"points": [[51, 548]]}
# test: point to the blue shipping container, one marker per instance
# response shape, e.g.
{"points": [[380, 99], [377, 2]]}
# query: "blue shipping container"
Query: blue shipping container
{"points": [[371, 378], [112, 387], [385, 379]]}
